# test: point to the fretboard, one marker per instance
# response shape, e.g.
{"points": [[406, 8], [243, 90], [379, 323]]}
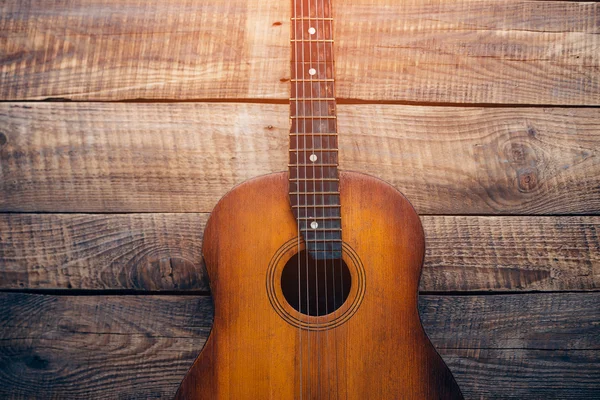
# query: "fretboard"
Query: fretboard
{"points": [[313, 166]]}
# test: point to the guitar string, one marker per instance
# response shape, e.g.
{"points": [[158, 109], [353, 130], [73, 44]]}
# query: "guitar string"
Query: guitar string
{"points": [[325, 44], [297, 129], [306, 203], [336, 155], [321, 34], [339, 261], [315, 243]]}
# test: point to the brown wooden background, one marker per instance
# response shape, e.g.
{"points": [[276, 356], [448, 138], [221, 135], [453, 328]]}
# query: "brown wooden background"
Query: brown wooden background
{"points": [[123, 122]]}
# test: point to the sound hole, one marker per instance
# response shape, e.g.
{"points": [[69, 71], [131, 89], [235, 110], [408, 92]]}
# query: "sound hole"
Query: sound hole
{"points": [[324, 285]]}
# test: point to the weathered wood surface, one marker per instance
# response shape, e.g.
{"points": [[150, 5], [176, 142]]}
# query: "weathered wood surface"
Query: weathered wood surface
{"points": [[98, 157], [469, 51], [150, 252], [144, 252], [139, 347], [525, 374], [99, 347]]}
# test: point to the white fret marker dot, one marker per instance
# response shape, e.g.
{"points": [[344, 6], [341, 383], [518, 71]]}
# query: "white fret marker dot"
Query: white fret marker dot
{"points": [[312, 30], [314, 225], [313, 157], [312, 71]]}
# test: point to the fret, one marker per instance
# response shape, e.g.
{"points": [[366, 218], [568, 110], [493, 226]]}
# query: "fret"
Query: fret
{"points": [[312, 109], [313, 41], [306, 144], [319, 218], [312, 80], [311, 19], [313, 173], [311, 9], [322, 158], [313, 193], [329, 225], [315, 51], [320, 30], [324, 150], [314, 201], [320, 70], [327, 250], [312, 89], [308, 212], [315, 116], [315, 134], [312, 99], [312, 127], [314, 186], [315, 164], [311, 179], [317, 206]]}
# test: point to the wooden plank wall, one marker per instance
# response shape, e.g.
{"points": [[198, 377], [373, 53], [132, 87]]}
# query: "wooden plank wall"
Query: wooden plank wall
{"points": [[484, 113]]}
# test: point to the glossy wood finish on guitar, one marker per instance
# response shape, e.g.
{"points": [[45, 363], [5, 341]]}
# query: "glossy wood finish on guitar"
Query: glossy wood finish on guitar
{"points": [[380, 352]]}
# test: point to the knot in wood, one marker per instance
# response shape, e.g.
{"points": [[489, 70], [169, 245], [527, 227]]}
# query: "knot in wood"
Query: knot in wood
{"points": [[527, 179]]}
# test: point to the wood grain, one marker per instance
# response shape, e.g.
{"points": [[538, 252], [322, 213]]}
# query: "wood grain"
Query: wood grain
{"points": [[468, 51], [525, 374], [139, 347], [127, 49], [507, 52], [97, 157], [536, 321], [99, 347], [511, 253], [126, 251], [150, 252]]}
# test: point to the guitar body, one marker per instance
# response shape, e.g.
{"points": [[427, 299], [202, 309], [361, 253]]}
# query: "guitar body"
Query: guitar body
{"points": [[371, 347]]}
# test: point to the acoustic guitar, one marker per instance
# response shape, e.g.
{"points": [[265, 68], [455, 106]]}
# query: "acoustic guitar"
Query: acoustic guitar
{"points": [[314, 271]]}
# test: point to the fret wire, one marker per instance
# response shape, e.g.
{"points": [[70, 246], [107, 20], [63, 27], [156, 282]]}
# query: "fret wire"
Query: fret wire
{"points": [[312, 99], [317, 205], [311, 19], [322, 150], [313, 179], [313, 41], [315, 193], [321, 229], [312, 80], [314, 134], [324, 218], [311, 165], [315, 116]]}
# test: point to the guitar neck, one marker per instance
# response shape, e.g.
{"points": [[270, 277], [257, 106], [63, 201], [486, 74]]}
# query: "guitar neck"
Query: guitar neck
{"points": [[313, 166]]}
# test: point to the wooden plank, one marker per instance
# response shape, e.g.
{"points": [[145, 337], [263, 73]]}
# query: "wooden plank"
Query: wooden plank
{"points": [[525, 52], [103, 347], [102, 157], [539, 321], [525, 374], [127, 251], [467, 51], [511, 253], [150, 252], [106, 347], [127, 49]]}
